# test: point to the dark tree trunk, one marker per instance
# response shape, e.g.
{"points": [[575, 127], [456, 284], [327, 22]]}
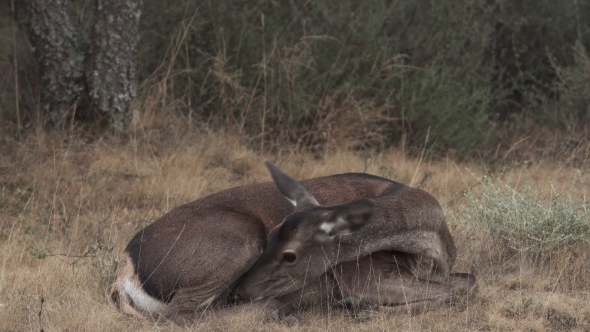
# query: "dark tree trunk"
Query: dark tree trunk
{"points": [[105, 74], [56, 43], [113, 59]]}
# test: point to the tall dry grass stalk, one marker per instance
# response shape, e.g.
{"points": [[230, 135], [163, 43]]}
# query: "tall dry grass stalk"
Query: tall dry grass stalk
{"points": [[69, 205]]}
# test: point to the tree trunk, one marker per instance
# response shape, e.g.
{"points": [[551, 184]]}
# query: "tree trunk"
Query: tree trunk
{"points": [[56, 45], [105, 74], [113, 59]]}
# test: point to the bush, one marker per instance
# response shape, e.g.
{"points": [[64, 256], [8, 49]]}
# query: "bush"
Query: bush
{"points": [[529, 221], [377, 72], [574, 86]]}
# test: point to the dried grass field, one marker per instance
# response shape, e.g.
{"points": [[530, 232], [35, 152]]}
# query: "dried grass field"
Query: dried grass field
{"points": [[69, 205]]}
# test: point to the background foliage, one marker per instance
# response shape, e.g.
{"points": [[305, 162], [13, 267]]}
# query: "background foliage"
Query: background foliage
{"points": [[470, 76]]}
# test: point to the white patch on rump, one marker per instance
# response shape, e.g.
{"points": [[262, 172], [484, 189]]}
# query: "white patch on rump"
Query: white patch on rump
{"points": [[142, 300], [127, 294]]}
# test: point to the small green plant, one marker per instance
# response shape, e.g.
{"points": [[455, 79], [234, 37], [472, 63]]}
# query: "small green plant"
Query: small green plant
{"points": [[522, 307], [109, 274], [530, 221], [39, 254]]}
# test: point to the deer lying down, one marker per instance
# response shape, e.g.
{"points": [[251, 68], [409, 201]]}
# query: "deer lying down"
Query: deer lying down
{"points": [[371, 242]]}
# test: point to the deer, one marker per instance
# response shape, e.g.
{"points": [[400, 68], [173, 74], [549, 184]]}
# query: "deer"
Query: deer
{"points": [[364, 241]]}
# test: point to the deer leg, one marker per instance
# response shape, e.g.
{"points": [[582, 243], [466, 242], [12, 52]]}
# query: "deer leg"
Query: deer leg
{"points": [[182, 310], [317, 291], [191, 305], [272, 308], [459, 284], [373, 283]]}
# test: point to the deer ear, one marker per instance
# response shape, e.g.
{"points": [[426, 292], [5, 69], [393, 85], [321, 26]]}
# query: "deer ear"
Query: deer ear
{"points": [[291, 189], [348, 218]]}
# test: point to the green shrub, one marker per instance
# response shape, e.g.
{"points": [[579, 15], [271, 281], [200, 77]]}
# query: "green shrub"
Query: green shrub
{"points": [[529, 221]]}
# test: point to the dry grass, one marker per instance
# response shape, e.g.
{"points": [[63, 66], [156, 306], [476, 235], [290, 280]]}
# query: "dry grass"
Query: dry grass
{"points": [[69, 205]]}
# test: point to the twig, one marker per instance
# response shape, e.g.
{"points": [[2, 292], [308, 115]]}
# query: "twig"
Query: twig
{"points": [[16, 97], [264, 75], [40, 312], [421, 156]]}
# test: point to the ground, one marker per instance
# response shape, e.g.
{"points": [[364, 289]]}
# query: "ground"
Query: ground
{"points": [[69, 205]]}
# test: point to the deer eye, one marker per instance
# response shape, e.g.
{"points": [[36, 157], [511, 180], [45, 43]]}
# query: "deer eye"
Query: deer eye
{"points": [[289, 256]]}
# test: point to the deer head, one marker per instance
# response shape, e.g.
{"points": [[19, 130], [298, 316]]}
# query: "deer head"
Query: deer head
{"points": [[305, 244]]}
